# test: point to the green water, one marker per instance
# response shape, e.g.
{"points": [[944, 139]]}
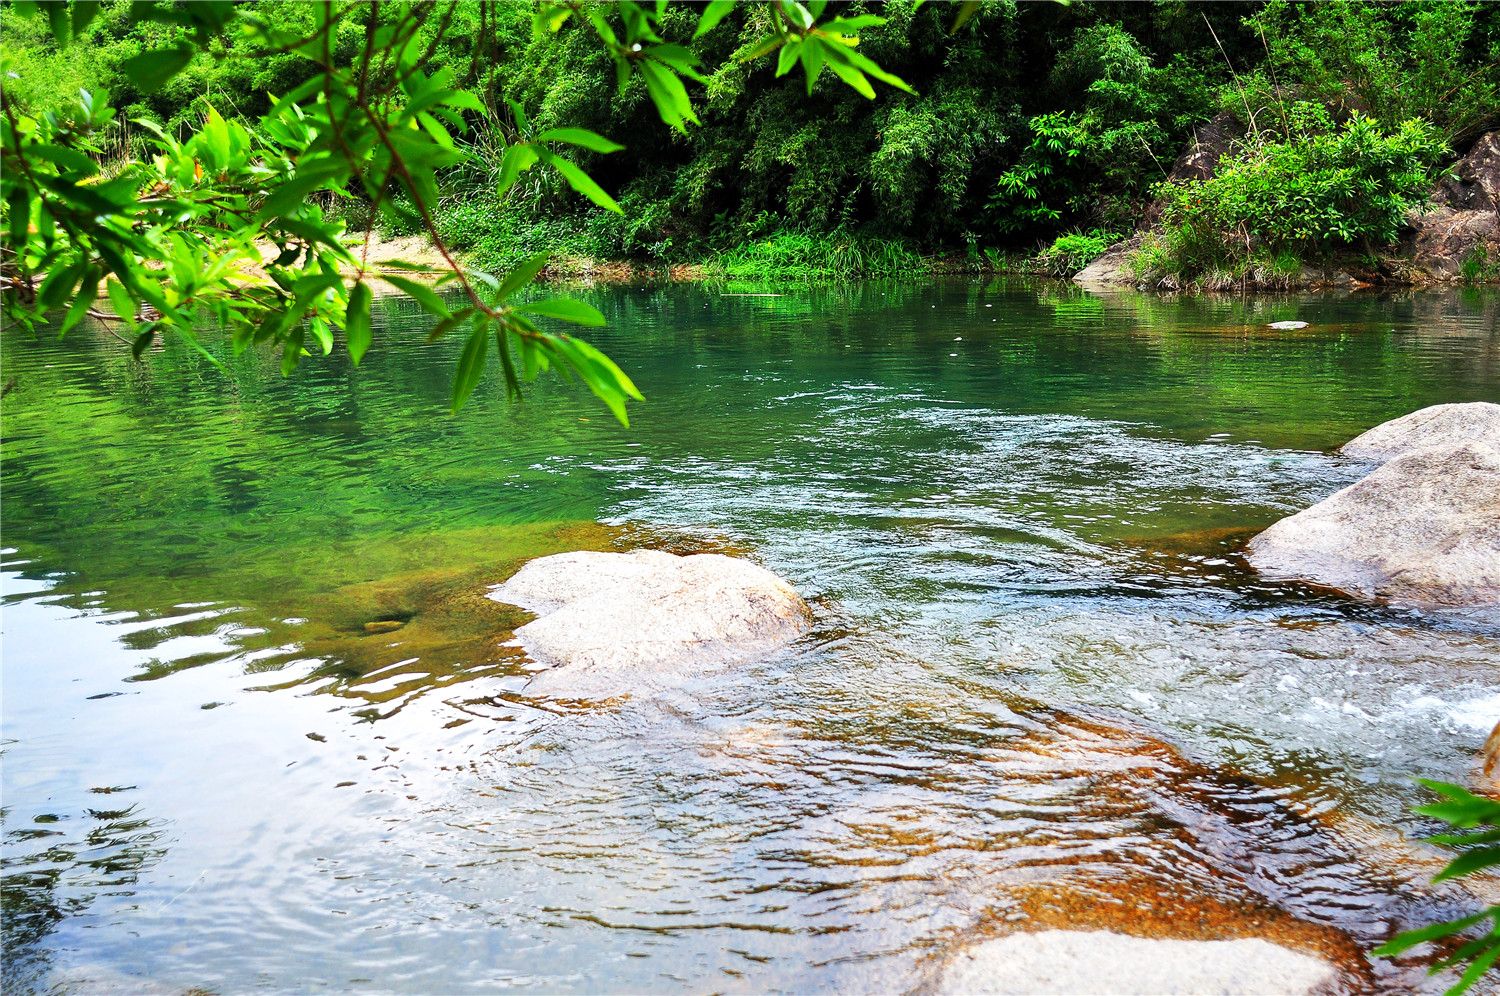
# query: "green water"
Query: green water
{"points": [[1040, 678]]}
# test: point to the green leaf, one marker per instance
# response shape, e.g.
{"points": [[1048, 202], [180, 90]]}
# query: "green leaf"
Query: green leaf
{"points": [[581, 137], [713, 13], [524, 273], [470, 366], [966, 11], [324, 336], [517, 159], [1407, 940], [812, 61], [120, 301], [84, 12], [291, 353], [1471, 975], [70, 160], [853, 77], [669, 95], [583, 183], [357, 321], [1469, 862], [679, 57], [564, 310], [88, 290], [58, 21], [851, 25], [788, 57], [419, 292], [149, 71]]}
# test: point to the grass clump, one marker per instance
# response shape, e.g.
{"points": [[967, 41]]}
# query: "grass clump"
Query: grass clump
{"points": [[803, 255]]}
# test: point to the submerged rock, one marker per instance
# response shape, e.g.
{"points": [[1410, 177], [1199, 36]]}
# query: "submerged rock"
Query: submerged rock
{"points": [[1423, 529], [610, 623], [1101, 962], [1475, 422]]}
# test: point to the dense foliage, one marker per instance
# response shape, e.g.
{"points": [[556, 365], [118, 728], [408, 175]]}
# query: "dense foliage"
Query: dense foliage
{"points": [[226, 220], [1317, 189], [1027, 122]]}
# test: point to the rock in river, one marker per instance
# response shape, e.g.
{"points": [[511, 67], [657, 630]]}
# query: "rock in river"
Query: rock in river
{"points": [[1066, 961], [1422, 529], [1475, 422], [612, 623]]}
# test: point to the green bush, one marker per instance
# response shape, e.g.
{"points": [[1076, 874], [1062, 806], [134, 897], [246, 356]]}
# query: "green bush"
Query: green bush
{"points": [[1433, 59], [1072, 251], [1320, 189]]}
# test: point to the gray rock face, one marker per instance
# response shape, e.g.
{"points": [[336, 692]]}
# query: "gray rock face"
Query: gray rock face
{"points": [[1465, 216], [1108, 964], [1423, 529], [613, 623], [1474, 183], [1439, 425], [1113, 268]]}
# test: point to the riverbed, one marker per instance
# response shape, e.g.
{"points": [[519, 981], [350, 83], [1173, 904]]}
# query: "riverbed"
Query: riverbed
{"points": [[263, 732]]}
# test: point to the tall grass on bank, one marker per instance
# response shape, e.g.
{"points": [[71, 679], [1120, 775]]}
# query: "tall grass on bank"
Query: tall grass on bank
{"points": [[799, 255]]}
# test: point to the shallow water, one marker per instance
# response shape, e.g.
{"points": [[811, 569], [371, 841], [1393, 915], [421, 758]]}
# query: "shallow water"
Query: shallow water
{"points": [[1042, 689]]}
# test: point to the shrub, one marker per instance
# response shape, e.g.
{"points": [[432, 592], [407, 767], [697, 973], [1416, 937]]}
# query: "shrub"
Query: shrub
{"points": [[1072, 251], [1319, 189]]}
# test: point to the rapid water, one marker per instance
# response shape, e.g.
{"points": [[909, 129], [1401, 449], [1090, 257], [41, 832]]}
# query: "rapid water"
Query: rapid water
{"points": [[1042, 690]]}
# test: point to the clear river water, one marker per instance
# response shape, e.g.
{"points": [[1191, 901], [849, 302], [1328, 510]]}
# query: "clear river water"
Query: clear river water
{"points": [[1042, 688]]}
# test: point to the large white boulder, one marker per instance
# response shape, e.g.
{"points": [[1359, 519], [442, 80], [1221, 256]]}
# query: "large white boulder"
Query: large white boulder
{"points": [[612, 623], [1109, 964], [1474, 422], [1422, 529]]}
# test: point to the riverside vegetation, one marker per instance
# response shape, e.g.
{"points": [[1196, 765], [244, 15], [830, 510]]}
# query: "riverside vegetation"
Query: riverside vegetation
{"points": [[153, 151]]}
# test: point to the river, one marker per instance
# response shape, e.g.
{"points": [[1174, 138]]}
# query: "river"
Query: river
{"points": [[1042, 688]]}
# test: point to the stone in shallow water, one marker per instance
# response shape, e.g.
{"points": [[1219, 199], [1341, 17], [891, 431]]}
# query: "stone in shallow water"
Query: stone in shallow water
{"points": [[612, 623], [1423, 529], [1287, 326], [1109, 964], [1439, 425]]}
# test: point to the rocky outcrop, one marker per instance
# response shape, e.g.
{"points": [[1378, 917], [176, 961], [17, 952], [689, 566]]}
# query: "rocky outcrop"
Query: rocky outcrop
{"points": [[1474, 182], [1211, 141], [1113, 269], [613, 623], [1463, 221], [1423, 529], [1439, 425], [1455, 237], [1065, 961]]}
